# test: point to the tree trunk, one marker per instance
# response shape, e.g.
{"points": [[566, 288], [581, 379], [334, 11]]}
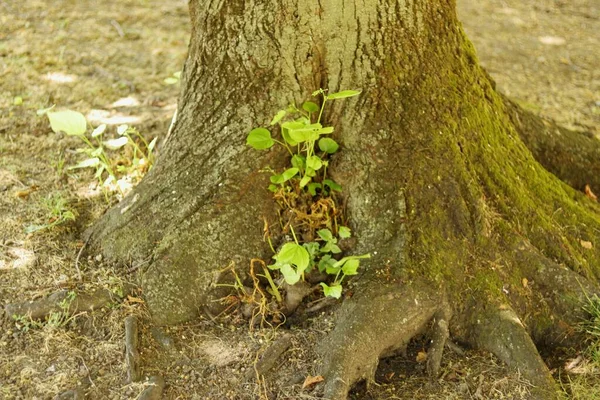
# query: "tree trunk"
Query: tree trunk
{"points": [[464, 227]]}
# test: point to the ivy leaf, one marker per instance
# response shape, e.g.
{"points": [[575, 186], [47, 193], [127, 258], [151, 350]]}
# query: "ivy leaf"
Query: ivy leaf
{"points": [[312, 188], [298, 161], [285, 133], [344, 232], [292, 253], [304, 181], [285, 176], [326, 262], [343, 94], [314, 162], [332, 185], [115, 144], [290, 275], [72, 123], [328, 145], [326, 235], [260, 139], [351, 267], [99, 130], [310, 107], [278, 117], [90, 162], [331, 247], [334, 290]]}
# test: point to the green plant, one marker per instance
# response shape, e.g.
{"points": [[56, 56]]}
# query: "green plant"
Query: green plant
{"points": [[112, 174], [58, 212], [304, 137], [56, 319], [173, 79], [591, 328]]}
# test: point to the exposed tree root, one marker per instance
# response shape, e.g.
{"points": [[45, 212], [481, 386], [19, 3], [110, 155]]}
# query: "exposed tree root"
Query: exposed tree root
{"points": [[132, 355], [380, 322], [500, 331], [154, 390], [270, 356], [571, 156], [59, 302]]}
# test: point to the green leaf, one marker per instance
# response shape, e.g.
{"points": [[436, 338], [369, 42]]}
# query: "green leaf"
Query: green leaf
{"points": [[326, 262], [310, 106], [298, 161], [325, 130], [72, 123], [152, 144], [305, 134], [290, 275], [326, 235], [332, 185], [344, 232], [286, 136], [331, 247], [328, 145], [99, 130], [304, 181], [277, 179], [312, 248], [351, 267], [272, 188], [280, 114], [17, 101], [90, 162], [343, 94], [292, 253], [115, 144], [122, 129], [314, 162], [260, 139], [171, 80], [312, 188], [334, 290], [310, 172], [43, 111], [289, 173]]}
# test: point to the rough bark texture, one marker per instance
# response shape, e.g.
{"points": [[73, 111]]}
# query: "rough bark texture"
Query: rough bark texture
{"points": [[438, 186]]}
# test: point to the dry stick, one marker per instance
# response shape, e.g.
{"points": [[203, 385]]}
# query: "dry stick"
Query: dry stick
{"points": [[132, 356], [154, 391], [79, 256]]}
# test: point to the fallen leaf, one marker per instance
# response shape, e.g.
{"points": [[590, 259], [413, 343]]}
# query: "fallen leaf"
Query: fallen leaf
{"points": [[586, 245], [421, 357], [590, 194], [312, 380], [552, 40], [525, 282], [132, 299]]}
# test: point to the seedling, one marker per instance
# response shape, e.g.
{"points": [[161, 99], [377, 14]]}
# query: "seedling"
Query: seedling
{"points": [[305, 138], [111, 176], [58, 212]]}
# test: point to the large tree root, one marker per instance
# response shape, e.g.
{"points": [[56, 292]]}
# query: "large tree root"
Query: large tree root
{"points": [[61, 302], [380, 322], [571, 156], [501, 332]]}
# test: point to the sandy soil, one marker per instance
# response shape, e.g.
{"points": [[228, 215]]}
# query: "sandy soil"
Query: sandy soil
{"points": [[109, 61]]}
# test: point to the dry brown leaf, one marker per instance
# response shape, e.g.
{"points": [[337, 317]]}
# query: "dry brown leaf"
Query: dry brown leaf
{"points": [[421, 357], [312, 380], [589, 193], [586, 245], [132, 299]]}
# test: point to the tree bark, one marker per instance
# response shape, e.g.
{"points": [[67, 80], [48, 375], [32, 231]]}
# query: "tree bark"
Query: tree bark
{"points": [[464, 227]]}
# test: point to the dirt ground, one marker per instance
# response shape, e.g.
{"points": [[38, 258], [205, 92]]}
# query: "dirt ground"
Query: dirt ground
{"points": [[109, 60]]}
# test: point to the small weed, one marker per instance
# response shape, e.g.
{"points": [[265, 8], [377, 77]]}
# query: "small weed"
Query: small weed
{"points": [[591, 327], [306, 182], [56, 319], [58, 212], [114, 174]]}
